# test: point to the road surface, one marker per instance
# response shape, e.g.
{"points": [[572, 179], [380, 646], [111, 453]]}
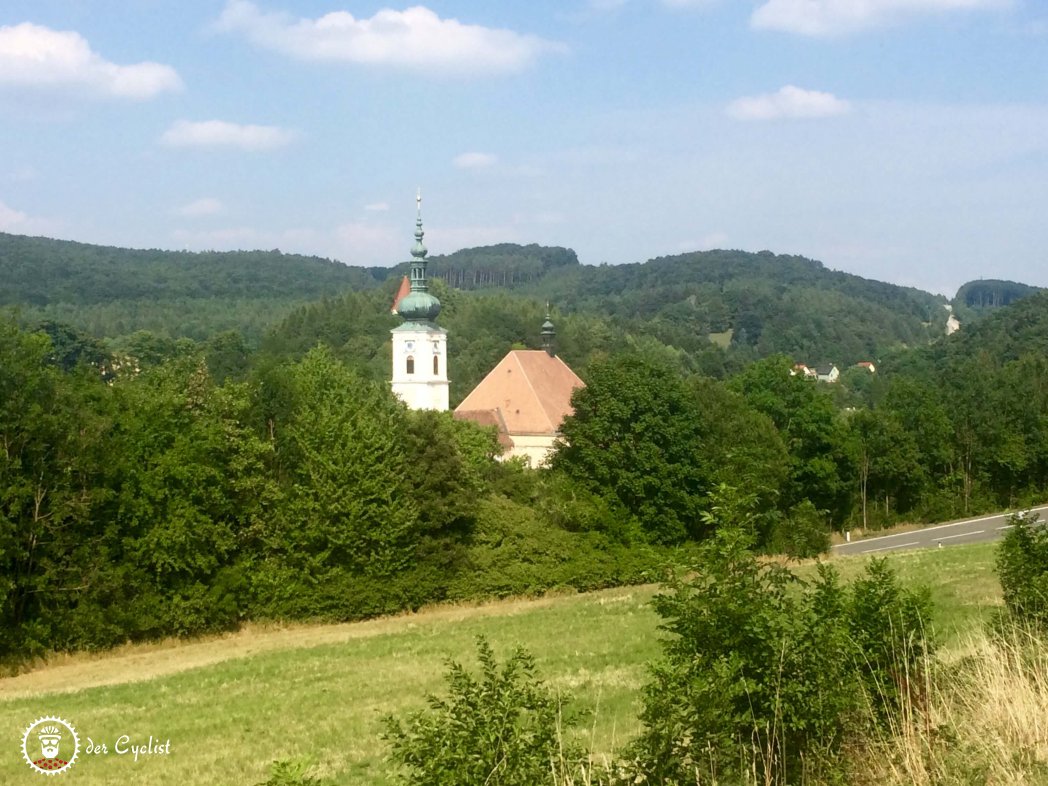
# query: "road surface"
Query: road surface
{"points": [[966, 531]]}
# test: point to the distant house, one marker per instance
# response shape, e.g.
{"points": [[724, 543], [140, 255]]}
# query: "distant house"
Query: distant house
{"points": [[526, 397], [804, 371], [828, 373], [867, 365]]}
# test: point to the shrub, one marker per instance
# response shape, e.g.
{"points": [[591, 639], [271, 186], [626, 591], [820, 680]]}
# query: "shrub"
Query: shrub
{"points": [[886, 624], [292, 772], [501, 728], [1022, 568], [515, 551], [765, 677], [804, 533], [754, 675]]}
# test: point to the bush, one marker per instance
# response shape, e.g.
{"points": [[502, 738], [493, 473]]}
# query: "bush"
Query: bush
{"points": [[886, 625], [804, 533], [1022, 568], [515, 551], [502, 728], [754, 675], [766, 677], [292, 772]]}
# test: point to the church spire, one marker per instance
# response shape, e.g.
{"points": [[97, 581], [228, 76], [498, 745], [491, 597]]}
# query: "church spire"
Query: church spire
{"points": [[419, 305], [419, 251], [420, 346]]}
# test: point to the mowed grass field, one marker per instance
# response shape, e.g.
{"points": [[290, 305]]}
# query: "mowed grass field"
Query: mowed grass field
{"points": [[232, 705]]}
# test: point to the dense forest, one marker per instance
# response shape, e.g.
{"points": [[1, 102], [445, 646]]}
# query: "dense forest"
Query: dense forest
{"points": [[506, 265], [752, 305], [153, 484], [39, 271], [975, 299], [114, 292]]}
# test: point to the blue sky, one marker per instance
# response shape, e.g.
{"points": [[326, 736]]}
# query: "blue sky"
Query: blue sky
{"points": [[904, 140]]}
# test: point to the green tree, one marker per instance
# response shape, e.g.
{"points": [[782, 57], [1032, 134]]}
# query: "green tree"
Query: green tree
{"points": [[919, 408], [886, 459], [52, 482], [809, 426], [194, 487], [740, 446], [634, 437], [348, 520]]}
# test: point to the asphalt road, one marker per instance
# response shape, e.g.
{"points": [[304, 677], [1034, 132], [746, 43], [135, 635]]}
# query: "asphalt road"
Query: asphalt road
{"points": [[966, 531]]}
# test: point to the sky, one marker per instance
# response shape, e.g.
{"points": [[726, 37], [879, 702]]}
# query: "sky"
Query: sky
{"points": [[902, 140]]}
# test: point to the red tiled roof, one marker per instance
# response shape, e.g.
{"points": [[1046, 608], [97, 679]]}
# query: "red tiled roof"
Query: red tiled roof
{"points": [[405, 287], [529, 389], [488, 417]]}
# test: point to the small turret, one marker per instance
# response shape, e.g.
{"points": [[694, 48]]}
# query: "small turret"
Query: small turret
{"points": [[548, 334]]}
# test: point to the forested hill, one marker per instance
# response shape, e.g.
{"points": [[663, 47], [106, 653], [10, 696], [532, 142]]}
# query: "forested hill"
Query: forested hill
{"points": [[770, 303], [738, 275], [506, 265], [40, 271], [1006, 334], [762, 301], [751, 304], [976, 299]]}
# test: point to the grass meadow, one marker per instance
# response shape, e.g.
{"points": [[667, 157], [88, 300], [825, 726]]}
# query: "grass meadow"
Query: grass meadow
{"points": [[231, 705]]}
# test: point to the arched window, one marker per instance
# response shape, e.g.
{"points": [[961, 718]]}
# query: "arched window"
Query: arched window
{"points": [[411, 365], [436, 365]]}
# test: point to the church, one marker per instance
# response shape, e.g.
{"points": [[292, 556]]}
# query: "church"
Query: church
{"points": [[525, 397]]}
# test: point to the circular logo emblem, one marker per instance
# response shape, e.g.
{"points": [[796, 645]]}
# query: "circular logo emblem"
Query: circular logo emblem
{"points": [[50, 745]]}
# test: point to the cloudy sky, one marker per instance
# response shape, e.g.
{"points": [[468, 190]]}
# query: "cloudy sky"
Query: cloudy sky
{"points": [[905, 140]]}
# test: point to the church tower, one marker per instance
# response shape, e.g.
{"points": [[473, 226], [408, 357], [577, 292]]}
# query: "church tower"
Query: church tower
{"points": [[420, 348]]}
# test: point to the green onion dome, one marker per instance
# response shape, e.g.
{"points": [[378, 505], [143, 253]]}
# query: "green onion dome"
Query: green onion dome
{"points": [[419, 307]]}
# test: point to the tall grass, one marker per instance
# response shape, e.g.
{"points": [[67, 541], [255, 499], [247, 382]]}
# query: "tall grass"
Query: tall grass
{"points": [[984, 719]]}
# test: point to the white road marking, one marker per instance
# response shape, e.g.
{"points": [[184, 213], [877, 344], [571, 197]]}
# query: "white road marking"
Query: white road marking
{"points": [[962, 535], [886, 548], [1006, 526]]}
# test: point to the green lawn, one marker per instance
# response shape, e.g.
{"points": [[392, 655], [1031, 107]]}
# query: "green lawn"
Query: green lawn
{"points": [[233, 705]]}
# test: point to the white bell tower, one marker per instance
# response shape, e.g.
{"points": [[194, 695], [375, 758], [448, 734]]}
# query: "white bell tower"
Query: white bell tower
{"points": [[420, 347]]}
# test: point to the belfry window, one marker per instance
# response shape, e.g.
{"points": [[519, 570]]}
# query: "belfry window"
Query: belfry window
{"points": [[411, 365], [436, 366]]}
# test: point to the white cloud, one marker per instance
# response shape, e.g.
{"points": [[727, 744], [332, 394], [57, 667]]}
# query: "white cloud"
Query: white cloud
{"points": [[11, 220], [789, 102], [377, 207], [838, 17], [415, 38], [475, 160], [20, 223], [219, 133], [205, 206], [35, 56]]}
